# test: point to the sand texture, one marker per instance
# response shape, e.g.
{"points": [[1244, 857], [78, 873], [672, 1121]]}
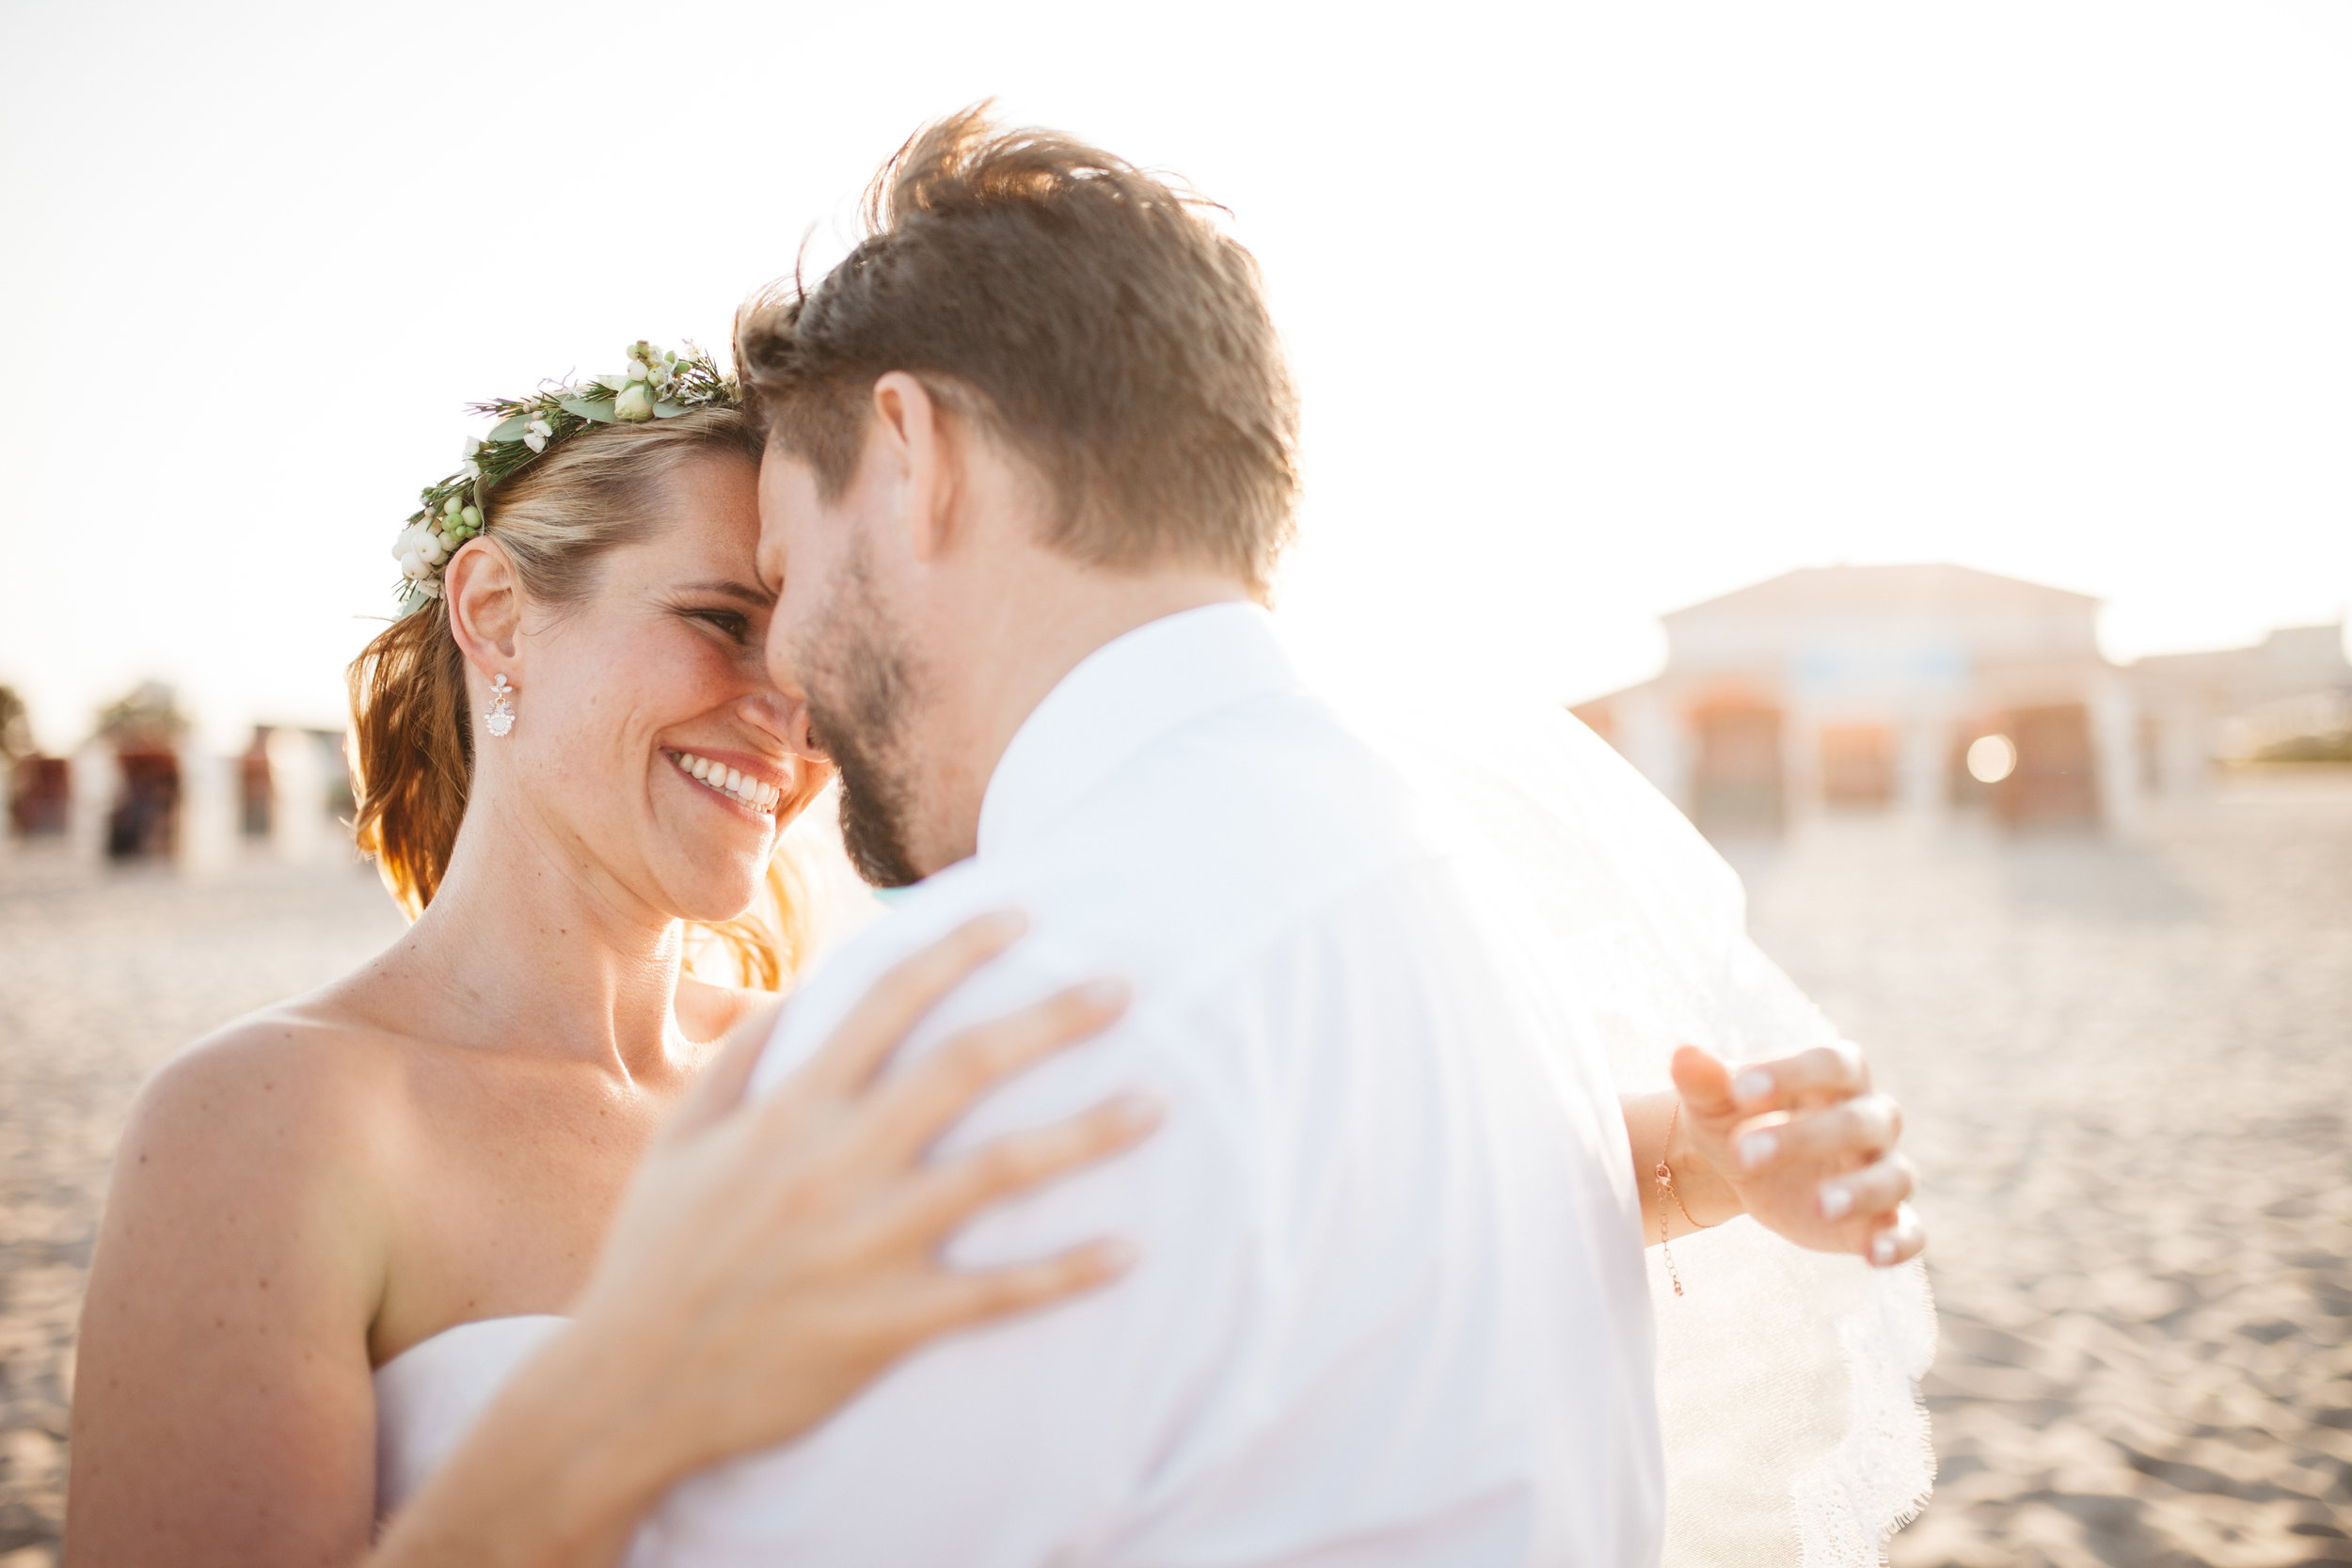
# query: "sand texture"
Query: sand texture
{"points": [[2127, 1068], [2126, 1071]]}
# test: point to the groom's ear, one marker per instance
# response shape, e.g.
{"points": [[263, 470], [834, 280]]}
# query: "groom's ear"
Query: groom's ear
{"points": [[918, 447]]}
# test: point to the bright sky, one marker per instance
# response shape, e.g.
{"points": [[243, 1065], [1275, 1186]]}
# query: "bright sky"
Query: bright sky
{"points": [[1597, 311]]}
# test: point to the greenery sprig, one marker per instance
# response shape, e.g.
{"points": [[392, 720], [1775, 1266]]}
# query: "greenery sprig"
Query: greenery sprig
{"points": [[658, 384]]}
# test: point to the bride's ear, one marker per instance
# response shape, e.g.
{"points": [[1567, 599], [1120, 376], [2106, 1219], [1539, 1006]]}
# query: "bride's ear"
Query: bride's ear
{"points": [[485, 607]]}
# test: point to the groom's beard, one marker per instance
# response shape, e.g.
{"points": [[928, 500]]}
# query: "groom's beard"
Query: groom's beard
{"points": [[859, 700]]}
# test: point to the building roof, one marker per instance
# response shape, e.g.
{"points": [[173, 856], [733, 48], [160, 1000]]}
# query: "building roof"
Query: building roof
{"points": [[1910, 591], [2290, 661]]}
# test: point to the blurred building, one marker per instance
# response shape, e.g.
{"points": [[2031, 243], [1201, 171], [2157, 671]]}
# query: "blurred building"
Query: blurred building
{"points": [[294, 792], [138, 753], [141, 789], [2288, 697], [1926, 689]]}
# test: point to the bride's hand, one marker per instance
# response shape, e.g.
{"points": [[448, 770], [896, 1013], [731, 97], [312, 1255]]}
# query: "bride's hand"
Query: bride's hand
{"points": [[768, 1261], [1806, 1148], [771, 1259]]}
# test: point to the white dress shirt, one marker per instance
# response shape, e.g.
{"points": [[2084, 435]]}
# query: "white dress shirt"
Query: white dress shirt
{"points": [[1390, 1309]]}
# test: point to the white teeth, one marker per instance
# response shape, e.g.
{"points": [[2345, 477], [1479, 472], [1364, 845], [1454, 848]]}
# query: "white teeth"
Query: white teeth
{"points": [[754, 793]]}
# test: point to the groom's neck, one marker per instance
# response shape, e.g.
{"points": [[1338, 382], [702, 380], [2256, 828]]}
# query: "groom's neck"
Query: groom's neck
{"points": [[1009, 649]]}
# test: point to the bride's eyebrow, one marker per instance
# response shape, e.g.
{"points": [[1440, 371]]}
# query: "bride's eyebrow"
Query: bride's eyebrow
{"points": [[758, 598]]}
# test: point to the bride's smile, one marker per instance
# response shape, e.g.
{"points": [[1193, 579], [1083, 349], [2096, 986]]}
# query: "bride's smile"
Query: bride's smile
{"points": [[753, 784], [650, 753]]}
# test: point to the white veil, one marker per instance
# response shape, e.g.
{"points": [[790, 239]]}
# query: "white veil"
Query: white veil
{"points": [[1787, 1380]]}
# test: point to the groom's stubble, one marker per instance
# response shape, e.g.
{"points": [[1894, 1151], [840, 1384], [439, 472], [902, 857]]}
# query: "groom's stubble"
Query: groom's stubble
{"points": [[860, 704]]}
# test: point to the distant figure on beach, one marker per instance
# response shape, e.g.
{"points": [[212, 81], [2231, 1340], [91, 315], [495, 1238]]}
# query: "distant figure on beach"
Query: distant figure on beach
{"points": [[1213, 1156]]}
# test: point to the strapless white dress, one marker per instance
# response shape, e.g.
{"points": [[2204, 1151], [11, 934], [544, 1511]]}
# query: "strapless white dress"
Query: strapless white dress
{"points": [[428, 1395]]}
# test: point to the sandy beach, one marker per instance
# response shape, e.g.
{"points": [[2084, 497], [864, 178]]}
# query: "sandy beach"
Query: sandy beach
{"points": [[2126, 1065]]}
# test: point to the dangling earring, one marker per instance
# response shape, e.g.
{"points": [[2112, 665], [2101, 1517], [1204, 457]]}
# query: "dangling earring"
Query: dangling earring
{"points": [[501, 717]]}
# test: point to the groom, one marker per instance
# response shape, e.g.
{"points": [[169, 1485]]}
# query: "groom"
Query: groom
{"points": [[1031, 462]]}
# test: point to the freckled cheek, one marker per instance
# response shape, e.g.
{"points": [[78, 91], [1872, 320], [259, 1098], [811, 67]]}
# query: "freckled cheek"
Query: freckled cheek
{"points": [[660, 688]]}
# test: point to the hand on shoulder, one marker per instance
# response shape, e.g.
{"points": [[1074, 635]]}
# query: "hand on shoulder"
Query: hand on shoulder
{"points": [[772, 1256]]}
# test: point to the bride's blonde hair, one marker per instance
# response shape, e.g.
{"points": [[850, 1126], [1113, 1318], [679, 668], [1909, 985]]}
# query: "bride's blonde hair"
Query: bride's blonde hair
{"points": [[411, 732]]}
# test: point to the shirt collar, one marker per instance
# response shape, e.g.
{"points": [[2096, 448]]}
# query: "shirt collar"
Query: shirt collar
{"points": [[1117, 700]]}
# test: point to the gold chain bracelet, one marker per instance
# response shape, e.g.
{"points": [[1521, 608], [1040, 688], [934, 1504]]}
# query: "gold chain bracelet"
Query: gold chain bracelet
{"points": [[1666, 1192]]}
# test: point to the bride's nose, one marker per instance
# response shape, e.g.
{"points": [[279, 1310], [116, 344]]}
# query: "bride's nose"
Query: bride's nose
{"points": [[785, 718]]}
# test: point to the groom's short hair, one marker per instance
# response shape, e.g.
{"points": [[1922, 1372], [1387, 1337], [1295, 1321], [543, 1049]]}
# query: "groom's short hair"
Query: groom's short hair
{"points": [[1090, 316]]}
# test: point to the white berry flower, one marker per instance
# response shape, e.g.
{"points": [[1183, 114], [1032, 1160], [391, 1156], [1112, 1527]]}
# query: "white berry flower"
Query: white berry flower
{"points": [[654, 380]]}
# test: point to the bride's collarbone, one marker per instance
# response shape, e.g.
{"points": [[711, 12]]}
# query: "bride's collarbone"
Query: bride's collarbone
{"points": [[499, 1195], [472, 1183]]}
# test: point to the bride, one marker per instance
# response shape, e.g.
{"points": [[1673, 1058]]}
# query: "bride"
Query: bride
{"points": [[530, 1104], [329, 1221]]}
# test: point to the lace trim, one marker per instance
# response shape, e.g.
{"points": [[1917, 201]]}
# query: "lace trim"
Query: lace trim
{"points": [[1877, 1478]]}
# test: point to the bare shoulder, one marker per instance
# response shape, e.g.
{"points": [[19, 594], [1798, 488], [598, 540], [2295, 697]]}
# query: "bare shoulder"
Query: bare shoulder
{"points": [[281, 1081], [267, 1139], [224, 1344]]}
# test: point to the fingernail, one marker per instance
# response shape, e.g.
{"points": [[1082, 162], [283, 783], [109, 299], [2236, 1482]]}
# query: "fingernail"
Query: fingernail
{"points": [[1756, 1147], [1835, 1200], [1754, 1083], [1108, 992], [1883, 1250]]}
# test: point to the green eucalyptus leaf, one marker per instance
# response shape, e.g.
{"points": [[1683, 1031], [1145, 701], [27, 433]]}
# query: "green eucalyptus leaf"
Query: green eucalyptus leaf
{"points": [[668, 410], [598, 411], [510, 429]]}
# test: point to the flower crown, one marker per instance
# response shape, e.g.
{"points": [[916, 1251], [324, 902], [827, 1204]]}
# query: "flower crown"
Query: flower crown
{"points": [[658, 385]]}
